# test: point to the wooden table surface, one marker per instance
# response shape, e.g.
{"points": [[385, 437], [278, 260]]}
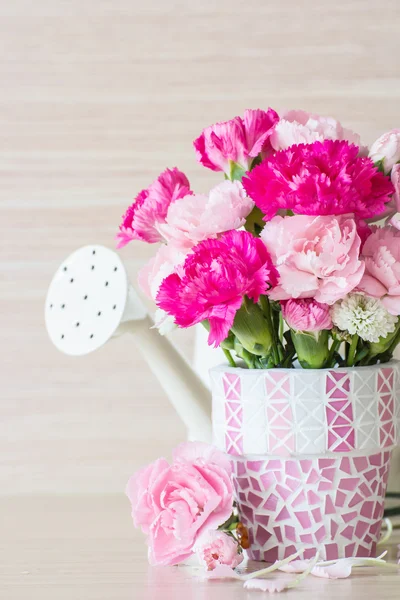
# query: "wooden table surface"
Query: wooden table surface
{"points": [[84, 548], [97, 97]]}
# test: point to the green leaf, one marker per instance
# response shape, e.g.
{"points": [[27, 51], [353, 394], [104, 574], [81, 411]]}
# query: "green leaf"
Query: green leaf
{"points": [[380, 165], [386, 344], [254, 222], [256, 161], [236, 171]]}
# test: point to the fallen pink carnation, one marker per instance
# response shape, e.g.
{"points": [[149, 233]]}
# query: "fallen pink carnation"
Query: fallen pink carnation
{"points": [[175, 504], [216, 548]]}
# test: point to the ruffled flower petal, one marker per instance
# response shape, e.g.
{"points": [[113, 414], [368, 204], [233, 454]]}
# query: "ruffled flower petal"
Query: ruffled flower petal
{"points": [[216, 276], [322, 178], [143, 217]]}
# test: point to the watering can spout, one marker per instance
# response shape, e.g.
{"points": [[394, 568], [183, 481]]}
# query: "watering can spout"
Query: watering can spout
{"points": [[187, 393], [91, 301]]}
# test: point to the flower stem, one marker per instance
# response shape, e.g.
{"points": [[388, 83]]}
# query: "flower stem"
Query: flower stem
{"points": [[352, 350], [229, 357], [332, 350], [266, 308], [281, 326]]}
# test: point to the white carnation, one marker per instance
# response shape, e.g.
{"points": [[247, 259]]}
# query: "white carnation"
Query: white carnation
{"points": [[364, 316], [163, 322]]}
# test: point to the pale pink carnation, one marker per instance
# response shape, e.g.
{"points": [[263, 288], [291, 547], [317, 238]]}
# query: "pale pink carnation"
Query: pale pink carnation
{"points": [[387, 149], [175, 504], [300, 127], [395, 221], [197, 217], [142, 219], [322, 178], [235, 141], [217, 548], [166, 260], [395, 177], [306, 314], [381, 253], [316, 257], [217, 274]]}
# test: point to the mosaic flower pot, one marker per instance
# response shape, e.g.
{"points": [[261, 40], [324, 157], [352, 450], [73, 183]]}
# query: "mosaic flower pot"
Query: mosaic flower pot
{"points": [[311, 452]]}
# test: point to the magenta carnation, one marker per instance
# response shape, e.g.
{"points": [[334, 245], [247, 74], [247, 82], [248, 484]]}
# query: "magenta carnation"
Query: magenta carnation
{"points": [[235, 141], [141, 220], [214, 279], [322, 178]]}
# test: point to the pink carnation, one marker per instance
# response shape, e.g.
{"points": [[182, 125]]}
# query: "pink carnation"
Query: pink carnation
{"points": [[322, 178], [300, 127], [316, 257], [142, 219], [174, 505], [381, 253], [306, 314], [166, 261], [235, 141], [395, 177], [217, 274], [216, 548], [387, 149], [197, 217]]}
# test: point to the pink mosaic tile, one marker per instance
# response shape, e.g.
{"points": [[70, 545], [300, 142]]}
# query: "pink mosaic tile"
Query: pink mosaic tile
{"points": [[339, 522], [345, 423]]}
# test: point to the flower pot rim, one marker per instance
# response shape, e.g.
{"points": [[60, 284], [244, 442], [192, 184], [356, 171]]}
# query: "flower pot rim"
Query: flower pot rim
{"points": [[226, 368]]}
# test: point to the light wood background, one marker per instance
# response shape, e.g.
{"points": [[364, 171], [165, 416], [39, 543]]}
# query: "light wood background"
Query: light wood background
{"points": [[97, 97]]}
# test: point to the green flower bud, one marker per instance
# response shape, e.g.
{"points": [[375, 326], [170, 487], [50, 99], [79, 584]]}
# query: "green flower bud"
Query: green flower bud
{"points": [[251, 329], [311, 347]]}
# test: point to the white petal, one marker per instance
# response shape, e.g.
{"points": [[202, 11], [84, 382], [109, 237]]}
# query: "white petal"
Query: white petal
{"points": [[266, 585]]}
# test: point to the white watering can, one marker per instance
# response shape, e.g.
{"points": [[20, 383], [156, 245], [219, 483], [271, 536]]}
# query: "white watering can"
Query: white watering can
{"points": [[90, 301]]}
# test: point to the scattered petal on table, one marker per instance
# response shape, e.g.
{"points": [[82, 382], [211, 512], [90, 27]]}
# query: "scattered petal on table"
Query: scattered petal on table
{"points": [[296, 566], [222, 572], [280, 585], [267, 585], [226, 572], [340, 570]]}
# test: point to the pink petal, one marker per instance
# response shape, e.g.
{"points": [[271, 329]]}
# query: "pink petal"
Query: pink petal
{"points": [[340, 570], [392, 304], [193, 452], [371, 286], [258, 126], [296, 566]]}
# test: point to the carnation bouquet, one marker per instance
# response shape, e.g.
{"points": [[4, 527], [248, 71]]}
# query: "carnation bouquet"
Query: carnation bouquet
{"points": [[294, 258]]}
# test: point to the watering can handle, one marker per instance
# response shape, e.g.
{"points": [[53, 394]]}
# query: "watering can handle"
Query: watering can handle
{"points": [[188, 395]]}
